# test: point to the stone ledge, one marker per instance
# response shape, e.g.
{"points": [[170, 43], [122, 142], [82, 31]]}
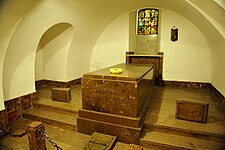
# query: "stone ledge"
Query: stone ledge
{"points": [[184, 84], [110, 118], [197, 85], [124, 134], [60, 84]]}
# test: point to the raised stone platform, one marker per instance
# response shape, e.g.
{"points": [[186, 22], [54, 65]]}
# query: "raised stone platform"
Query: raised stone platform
{"points": [[116, 104]]}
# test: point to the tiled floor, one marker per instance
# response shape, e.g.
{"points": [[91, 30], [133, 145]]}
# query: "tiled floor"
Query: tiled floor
{"points": [[161, 112]]}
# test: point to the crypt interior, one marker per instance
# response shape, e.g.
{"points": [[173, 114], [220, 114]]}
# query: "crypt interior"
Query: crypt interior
{"points": [[122, 75]]}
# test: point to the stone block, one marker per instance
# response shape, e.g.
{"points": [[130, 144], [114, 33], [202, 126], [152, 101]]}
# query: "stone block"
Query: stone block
{"points": [[110, 118], [157, 60], [123, 94], [192, 111], [36, 139], [61, 94]]}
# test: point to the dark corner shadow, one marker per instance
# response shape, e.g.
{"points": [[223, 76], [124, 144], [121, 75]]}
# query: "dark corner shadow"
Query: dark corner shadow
{"points": [[154, 106]]}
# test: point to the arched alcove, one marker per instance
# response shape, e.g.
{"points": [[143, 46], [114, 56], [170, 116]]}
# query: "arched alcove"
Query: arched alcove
{"points": [[52, 52]]}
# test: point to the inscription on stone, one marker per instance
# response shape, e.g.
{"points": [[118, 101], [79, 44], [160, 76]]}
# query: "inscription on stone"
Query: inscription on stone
{"points": [[116, 97], [192, 111], [111, 94]]}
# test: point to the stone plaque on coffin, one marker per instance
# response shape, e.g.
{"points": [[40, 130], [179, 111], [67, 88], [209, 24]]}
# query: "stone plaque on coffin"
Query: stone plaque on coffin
{"points": [[116, 104]]}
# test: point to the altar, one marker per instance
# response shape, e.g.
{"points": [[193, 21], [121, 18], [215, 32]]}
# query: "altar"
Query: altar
{"points": [[116, 104]]}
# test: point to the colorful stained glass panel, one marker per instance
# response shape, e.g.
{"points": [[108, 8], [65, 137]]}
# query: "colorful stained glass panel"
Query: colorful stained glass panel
{"points": [[147, 21]]}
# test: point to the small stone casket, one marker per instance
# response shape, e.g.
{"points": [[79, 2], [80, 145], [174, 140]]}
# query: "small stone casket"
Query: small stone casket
{"points": [[192, 111], [61, 94]]}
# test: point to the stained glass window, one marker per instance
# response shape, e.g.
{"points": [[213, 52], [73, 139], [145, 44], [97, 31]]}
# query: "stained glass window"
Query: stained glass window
{"points": [[147, 22]]}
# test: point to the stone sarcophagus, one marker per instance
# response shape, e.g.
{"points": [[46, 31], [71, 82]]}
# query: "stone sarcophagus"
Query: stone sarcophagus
{"points": [[116, 104]]}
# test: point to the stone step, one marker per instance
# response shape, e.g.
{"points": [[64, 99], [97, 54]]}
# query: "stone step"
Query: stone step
{"points": [[54, 108], [185, 131], [164, 141], [61, 120]]}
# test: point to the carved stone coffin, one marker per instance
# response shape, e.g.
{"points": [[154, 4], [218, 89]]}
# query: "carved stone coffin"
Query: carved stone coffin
{"points": [[192, 111], [116, 104]]}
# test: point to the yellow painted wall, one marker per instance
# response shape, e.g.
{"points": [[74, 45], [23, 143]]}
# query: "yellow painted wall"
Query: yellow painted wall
{"points": [[19, 62], [112, 45], [12, 13], [52, 53], [189, 58]]}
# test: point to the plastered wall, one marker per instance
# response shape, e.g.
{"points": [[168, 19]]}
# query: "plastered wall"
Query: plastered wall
{"points": [[51, 57], [218, 63], [8, 24], [18, 66], [189, 58], [19, 70], [112, 44]]}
